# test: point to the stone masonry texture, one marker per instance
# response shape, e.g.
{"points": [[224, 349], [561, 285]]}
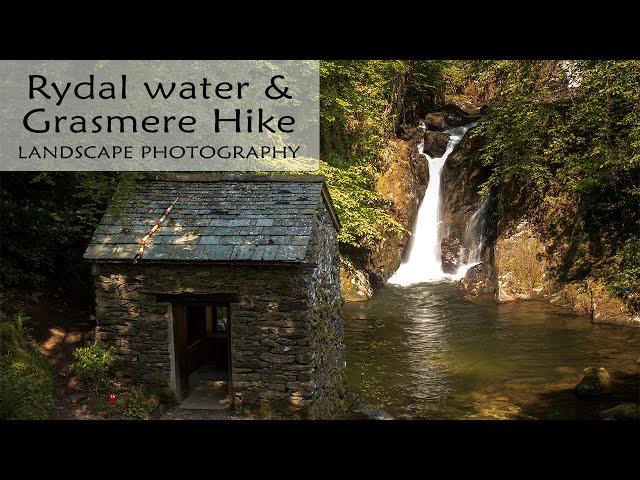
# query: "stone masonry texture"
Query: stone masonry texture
{"points": [[286, 330]]}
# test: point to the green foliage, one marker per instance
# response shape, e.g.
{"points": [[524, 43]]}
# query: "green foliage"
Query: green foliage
{"points": [[8, 338], [15, 326], [26, 379], [26, 385], [361, 210], [573, 128], [48, 218], [242, 410], [94, 366], [363, 100], [135, 404], [355, 96], [477, 80], [362, 103], [626, 282]]}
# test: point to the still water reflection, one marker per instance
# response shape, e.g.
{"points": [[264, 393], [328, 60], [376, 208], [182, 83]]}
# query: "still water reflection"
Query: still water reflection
{"points": [[426, 352]]}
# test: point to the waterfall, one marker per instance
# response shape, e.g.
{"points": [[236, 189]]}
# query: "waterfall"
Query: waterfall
{"points": [[423, 263], [474, 237]]}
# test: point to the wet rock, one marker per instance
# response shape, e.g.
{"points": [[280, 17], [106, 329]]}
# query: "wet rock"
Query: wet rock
{"points": [[462, 176], [596, 381], [450, 116], [374, 413], [402, 184], [354, 282], [624, 411], [450, 248], [471, 108], [435, 143], [439, 121], [364, 408], [478, 280], [607, 308], [436, 121], [592, 298]]}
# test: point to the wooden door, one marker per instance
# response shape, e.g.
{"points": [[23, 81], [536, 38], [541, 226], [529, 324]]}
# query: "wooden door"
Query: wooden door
{"points": [[193, 349]]}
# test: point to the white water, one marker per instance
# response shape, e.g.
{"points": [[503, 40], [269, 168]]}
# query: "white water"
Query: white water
{"points": [[423, 263]]}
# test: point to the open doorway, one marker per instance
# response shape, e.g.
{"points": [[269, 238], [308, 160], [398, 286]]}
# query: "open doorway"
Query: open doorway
{"points": [[202, 346]]}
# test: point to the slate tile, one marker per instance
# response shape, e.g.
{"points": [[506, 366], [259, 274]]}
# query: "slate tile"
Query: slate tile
{"points": [[219, 252], [270, 252], [209, 240], [273, 220], [231, 240]]}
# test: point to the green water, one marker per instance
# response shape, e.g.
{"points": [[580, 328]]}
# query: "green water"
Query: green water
{"points": [[426, 352]]}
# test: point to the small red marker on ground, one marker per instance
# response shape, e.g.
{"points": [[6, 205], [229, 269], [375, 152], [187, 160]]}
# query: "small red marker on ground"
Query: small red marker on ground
{"points": [[112, 398]]}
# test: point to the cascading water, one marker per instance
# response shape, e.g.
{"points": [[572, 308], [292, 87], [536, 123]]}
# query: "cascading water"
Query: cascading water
{"points": [[474, 237], [424, 263]]}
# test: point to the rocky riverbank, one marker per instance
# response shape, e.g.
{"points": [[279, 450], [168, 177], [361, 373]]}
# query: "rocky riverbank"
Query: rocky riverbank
{"points": [[519, 265]]}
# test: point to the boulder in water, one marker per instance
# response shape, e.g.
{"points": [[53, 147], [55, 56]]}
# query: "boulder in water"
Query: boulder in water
{"points": [[450, 248], [624, 411], [478, 280], [596, 381], [436, 121], [435, 143], [450, 116]]}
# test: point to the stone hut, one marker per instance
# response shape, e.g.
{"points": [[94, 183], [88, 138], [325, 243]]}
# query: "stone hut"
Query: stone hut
{"points": [[236, 298]]}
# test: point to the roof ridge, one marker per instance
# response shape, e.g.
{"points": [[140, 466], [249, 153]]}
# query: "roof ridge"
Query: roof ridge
{"points": [[238, 177]]}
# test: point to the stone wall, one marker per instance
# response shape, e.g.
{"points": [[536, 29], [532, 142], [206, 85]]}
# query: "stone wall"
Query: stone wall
{"points": [[286, 329], [327, 330]]}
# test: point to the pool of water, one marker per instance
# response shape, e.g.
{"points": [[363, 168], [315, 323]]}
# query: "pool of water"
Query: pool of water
{"points": [[426, 352]]}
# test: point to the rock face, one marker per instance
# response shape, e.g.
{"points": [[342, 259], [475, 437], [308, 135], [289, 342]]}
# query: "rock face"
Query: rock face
{"points": [[596, 381], [479, 280], [462, 175], [520, 266], [435, 143], [450, 116], [517, 266], [523, 250], [355, 283], [591, 298], [403, 185], [450, 249]]}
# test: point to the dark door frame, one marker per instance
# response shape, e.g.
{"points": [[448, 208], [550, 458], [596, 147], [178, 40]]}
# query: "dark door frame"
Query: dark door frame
{"points": [[178, 310]]}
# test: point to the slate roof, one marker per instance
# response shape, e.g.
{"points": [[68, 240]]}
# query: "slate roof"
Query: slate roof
{"points": [[251, 218]]}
